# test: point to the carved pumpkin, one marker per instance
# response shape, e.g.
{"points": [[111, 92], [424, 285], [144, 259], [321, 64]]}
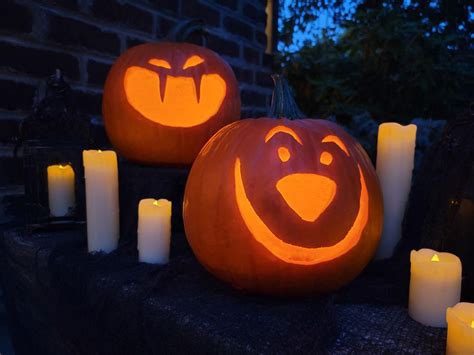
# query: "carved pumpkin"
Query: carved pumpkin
{"points": [[163, 101], [283, 207]]}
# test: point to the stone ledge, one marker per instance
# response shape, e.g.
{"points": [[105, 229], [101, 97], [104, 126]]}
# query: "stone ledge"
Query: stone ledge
{"points": [[62, 300]]}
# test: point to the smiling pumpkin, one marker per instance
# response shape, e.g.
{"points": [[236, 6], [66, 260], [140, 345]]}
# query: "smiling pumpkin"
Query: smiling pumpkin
{"points": [[283, 207]]}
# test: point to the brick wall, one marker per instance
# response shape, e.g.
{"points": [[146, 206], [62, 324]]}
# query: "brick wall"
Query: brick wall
{"points": [[83, 37]]}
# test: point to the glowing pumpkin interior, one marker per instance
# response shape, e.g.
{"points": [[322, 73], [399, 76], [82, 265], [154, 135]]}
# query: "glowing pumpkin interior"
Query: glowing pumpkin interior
{"points": [[184, 100]]}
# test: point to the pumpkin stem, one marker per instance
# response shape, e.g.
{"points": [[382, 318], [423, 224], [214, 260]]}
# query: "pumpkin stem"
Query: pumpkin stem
{"points": [[184, 29], [283, 105]]}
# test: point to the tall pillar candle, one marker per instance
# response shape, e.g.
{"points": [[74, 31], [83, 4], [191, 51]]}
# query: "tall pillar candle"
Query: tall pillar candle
{"points": [[395, 159], [435, 285], [460, 320], [102, 200], [61, 190], [154, 231]]}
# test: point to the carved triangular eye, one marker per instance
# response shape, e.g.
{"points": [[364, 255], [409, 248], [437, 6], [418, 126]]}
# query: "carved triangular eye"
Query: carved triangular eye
{"points": [[192, 61], [160, 63]]}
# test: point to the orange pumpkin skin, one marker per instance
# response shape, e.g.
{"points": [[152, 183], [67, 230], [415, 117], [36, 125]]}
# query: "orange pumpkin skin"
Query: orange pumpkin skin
{"points": [[273, 241], [163, 101]]}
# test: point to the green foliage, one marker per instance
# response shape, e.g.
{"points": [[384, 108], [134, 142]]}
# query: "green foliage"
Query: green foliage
{"points": [[388, 62]]}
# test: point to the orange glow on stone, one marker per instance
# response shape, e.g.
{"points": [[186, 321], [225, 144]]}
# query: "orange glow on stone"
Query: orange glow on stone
{"points": [[307, 194], [336, 140], [284, 154], [180, 106], [193, 61], [295, 254], [326, 158], [160, 63], [283, 129]]}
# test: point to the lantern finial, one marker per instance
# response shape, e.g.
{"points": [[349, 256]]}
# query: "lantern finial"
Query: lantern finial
{"points": [[55, 117], [283, 105]]}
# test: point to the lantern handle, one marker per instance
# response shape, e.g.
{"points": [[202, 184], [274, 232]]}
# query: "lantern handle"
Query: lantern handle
{"points": [[283, 104], [184, 29]]}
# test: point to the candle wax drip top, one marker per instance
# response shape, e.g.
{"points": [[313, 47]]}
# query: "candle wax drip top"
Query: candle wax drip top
{"points": [[435, 258]]}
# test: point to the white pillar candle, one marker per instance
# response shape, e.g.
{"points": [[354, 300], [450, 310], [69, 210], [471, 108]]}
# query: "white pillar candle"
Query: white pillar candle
{"points": [[435, 285], [102, 200], [460, 329], [61, 193], [154, 231], [395, 159]]}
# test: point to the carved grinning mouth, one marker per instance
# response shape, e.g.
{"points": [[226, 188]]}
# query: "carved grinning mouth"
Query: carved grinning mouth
{"points": [[177, 101], [295, 254]]}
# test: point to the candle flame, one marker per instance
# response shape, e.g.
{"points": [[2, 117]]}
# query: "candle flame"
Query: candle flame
{"points": [[435, 258], [62, 166], [99, 151], [472, 324], [156, 203]]}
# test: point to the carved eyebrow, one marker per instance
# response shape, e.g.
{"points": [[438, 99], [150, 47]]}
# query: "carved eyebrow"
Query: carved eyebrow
{"points": [[282, 129], [160, 63], [193, 61], [336, 140]]}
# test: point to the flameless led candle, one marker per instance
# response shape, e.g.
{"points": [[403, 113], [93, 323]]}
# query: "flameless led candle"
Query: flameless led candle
{"points": [[460, 320], [435, 285], [395, 158], [61, 193], [154, 230], [101, 174]]}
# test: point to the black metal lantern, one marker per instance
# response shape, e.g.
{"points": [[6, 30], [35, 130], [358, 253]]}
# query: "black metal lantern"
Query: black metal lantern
{"points": [[54, 134]]}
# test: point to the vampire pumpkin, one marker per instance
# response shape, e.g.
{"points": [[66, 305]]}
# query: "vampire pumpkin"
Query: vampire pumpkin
{"points": [[283, 207], [163, 101]]}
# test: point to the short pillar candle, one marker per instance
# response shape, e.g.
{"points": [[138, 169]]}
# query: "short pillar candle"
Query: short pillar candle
{"points": [[102, 200], [460, 320], [435, 285], [61, 190], [154, 231]]}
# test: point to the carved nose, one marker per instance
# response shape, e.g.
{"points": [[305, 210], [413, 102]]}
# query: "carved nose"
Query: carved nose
{"points": [[307, 194]]}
